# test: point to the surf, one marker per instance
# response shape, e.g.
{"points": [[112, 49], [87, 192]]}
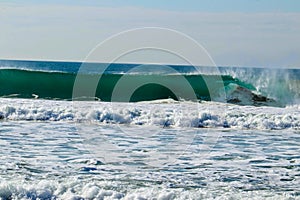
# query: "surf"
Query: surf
{"points": [[59, 85], [243, 86]]}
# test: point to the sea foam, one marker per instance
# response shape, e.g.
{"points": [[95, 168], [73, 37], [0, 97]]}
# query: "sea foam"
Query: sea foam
{"points": [[164, 113], [75, 190]]}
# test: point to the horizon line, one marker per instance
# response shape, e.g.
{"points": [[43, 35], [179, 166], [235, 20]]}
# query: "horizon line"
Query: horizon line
{"points": [[138, 63]]}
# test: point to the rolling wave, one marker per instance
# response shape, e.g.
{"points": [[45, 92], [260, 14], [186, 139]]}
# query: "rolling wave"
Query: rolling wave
{"points": [[243, 86], [59, 85]]}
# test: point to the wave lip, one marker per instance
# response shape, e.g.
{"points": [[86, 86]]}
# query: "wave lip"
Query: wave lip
{"points": [[154, 114]]}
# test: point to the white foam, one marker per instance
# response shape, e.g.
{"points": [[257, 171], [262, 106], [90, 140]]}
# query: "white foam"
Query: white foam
{"points": [[74, 190], [157, 113]]}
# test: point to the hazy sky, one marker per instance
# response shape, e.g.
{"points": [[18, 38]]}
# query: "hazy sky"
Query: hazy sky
{"points": [[234, 32]]}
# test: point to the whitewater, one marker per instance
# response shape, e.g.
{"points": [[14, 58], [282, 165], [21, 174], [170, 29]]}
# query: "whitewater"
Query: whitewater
{"points": [[161, 113]]}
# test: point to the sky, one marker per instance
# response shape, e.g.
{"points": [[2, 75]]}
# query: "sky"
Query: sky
{"points": [[258, 33]]}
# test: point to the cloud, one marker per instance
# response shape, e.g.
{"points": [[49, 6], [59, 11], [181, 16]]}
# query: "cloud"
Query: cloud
{"points": [[70, 32]]}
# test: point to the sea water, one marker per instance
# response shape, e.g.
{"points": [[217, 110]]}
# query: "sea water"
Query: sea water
{"points": [[54, 148]]}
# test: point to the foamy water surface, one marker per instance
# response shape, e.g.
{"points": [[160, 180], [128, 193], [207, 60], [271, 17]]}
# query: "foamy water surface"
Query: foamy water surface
{"points": [[149, 150]]}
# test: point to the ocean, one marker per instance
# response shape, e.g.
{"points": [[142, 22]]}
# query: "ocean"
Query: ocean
{"points": [[114, 132]]}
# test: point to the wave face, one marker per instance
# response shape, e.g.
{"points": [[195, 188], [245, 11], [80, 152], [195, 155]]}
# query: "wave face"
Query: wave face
{"points": [[31, 84], [55, 80], [59, 85]]}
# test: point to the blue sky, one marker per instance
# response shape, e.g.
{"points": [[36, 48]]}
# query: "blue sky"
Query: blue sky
{"points": [[188, 5], [234, 32]]}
